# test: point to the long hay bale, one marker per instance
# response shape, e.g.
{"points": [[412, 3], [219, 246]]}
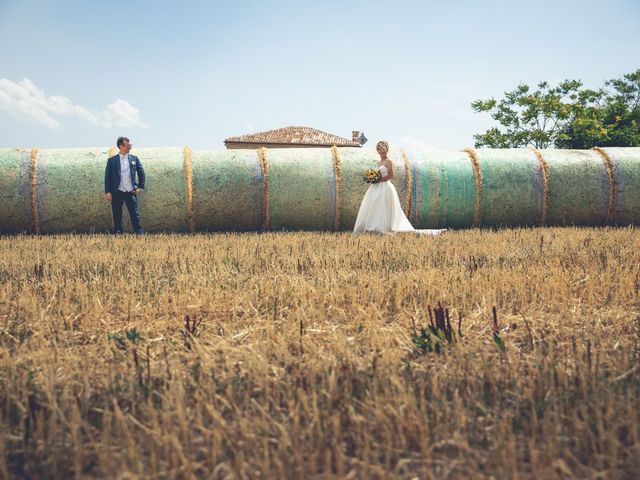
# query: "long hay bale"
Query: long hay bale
{"points": [[61, 190]]}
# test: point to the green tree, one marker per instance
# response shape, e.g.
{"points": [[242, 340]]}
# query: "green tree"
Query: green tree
{"points": [[565, 116], [528, 118], [613, 122]]}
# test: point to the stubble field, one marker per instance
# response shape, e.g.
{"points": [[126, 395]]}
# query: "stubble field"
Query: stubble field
{"points": [[299, 355]]}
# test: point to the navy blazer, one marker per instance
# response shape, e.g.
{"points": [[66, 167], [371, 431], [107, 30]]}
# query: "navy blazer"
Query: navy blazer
{"points": [[112, 173]]}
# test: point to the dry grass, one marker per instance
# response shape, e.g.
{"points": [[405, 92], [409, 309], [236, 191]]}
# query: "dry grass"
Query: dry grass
{"points": [[291, 355]]}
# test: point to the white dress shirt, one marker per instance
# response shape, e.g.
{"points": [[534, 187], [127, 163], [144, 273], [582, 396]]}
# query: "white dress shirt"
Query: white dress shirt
{"points": [[125, 174]]}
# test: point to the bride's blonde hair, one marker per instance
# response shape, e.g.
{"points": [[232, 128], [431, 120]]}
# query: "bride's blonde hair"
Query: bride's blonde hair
{"points": [[384, 144]]}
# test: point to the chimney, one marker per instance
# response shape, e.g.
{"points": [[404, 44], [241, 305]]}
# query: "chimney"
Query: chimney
{"points": [[355, 136]]}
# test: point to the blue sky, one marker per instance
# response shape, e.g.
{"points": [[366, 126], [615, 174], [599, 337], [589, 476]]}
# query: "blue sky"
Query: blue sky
{"points": [[80, 73]]}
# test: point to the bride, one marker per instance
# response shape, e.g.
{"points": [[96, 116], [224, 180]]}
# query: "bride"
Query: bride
{"points": [[380, 210]]}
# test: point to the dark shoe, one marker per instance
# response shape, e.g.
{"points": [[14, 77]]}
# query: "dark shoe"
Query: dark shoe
{"points": [[140, 232]]}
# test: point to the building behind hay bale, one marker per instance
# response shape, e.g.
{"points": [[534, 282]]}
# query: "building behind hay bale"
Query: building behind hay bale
{"points": [[293, 137]]}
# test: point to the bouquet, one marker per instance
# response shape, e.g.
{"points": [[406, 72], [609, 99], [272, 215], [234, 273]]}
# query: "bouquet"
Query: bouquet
{"points": [[372, 175]]}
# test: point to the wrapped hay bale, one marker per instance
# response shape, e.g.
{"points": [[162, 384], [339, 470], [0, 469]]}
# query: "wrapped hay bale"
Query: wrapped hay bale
{"points": [[70, 190], [578, 187], [301, 189], [16, 208], [625, 163], [512, 187], [228, 190], [61, 190], [444, 193], [163, 205]]}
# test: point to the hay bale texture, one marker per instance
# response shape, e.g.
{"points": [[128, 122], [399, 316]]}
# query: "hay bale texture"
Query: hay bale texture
{"points": [[70, 187], [578, 188], [16, 212], [626, 174], [514, 181], [444, 190], [61, 190], [228, 190]]}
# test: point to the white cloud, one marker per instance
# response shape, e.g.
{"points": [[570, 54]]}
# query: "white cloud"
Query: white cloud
{"points": [[25, 101], [122, 114]]}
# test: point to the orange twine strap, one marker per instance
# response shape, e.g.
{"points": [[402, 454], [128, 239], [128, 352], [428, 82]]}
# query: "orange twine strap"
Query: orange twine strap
{"points": [[264, 166], [613, 188], [35, 154], [407, 169], [478, 176], [545, 185], [337, 169], [188, 176]]}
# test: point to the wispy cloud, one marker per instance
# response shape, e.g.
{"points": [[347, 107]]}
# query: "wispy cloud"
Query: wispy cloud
{"points": [[24, 100]]}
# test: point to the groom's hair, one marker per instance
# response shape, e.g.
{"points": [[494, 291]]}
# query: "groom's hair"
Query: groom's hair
{"points": [[121, 141]]}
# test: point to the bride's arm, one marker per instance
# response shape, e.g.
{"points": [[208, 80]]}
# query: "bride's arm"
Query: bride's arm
{"points": [[389, 175]]}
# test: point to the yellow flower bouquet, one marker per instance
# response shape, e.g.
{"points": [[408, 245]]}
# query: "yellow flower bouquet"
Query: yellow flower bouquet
{"points": [[372, 175]]}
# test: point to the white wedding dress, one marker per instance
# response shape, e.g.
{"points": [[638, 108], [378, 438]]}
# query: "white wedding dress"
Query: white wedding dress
{"points": [[380, 211]]}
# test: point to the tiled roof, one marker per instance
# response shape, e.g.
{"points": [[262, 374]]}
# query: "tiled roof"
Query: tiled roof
{"points": [[294, 135]]}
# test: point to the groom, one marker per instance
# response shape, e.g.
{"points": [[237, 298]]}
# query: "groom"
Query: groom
{"points": [[120, 185]]}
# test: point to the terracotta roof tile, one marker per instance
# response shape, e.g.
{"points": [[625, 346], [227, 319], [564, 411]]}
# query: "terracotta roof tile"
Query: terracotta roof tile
{"points": [[294, 135]]}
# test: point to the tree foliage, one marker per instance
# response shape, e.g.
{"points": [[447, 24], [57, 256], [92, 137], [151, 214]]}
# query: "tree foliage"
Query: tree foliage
{"points": [[565, 116]]}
